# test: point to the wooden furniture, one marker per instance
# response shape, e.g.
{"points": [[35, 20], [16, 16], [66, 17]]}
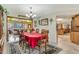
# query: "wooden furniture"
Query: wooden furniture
{"points": [[60, 29], [1, 49], [32, 39], [23, 44], [1, 27], [37, 30], [74, 35], [1, 33], [44, 41], [75, 23]]}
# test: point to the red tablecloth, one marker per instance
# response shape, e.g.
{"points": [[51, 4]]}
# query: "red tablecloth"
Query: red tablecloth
{"points": [[32, 38]]}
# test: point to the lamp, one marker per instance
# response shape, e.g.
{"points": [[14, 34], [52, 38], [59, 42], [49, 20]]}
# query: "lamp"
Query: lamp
{"points": [[30, 14]]}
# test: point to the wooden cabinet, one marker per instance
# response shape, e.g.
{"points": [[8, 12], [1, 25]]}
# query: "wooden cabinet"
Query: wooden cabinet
{"points": [[76, 21], [60, 29], [1, 29], [74, 36]]}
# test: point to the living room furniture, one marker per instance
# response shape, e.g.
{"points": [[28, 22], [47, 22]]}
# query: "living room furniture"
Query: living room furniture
{"points": [[60, 29]]}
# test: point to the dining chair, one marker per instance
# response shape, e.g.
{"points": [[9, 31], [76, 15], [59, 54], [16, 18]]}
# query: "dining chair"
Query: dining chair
{"points": [[41, 44], [26, 46], [23, 43], [37, 30], [21, 37], [44, 41]]}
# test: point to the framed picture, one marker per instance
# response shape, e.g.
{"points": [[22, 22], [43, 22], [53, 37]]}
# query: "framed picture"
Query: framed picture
{"points": [[44, 21]]}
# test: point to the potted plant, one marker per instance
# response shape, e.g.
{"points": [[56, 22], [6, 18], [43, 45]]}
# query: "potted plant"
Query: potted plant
{"points": [[1, 15], [2, 9]]}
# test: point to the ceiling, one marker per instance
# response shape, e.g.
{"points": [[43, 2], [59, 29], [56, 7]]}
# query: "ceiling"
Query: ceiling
{"points": [[42, 10]]}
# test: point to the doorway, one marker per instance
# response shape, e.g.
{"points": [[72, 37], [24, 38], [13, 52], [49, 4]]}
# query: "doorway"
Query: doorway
{"points": [[63, 26]]}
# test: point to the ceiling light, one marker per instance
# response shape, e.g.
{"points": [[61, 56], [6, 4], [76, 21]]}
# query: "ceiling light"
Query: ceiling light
{"points": [[34, 16], [59, 19], [27, 15], [30, 15]]}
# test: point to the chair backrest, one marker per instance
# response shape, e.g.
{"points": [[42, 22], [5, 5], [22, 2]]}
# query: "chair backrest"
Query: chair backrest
{"points": [[44, 33], [16, 32], [37, 30]]}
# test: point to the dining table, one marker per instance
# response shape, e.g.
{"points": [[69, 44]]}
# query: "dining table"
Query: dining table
{"points": [[32, 38]]}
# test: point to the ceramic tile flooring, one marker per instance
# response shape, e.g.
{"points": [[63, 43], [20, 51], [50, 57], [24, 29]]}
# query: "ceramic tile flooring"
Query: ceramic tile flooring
{"points": [[67, 46]]}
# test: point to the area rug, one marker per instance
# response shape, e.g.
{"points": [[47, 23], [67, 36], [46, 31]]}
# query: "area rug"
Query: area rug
{"points": [[14, 49], [52, 51]]}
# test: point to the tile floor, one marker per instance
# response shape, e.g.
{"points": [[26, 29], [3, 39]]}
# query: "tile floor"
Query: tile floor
{"points": [[67, 46]]}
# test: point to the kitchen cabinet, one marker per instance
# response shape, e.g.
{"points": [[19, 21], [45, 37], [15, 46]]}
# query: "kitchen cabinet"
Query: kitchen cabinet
{"points": [[76, 21], [74, 35]]}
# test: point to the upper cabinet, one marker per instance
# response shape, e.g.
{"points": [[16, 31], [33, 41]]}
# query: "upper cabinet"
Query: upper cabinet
{"points": [[75, 23]]}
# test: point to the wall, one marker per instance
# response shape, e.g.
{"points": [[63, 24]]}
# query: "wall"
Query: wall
{"points": [[40, 26], [5, 33], [52, 29], [52, 32], [66, 21]]}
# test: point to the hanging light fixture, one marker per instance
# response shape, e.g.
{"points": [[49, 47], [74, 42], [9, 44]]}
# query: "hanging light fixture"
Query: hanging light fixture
{"points": [[30, 15]]}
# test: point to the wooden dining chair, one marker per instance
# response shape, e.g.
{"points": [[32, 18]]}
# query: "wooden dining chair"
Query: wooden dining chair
{"points": [[37, 30], [21, 37], [23, 43], [44, 41]]}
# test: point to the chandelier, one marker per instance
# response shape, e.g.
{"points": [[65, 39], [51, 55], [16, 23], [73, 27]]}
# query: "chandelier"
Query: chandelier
{"points": [[30, 15]]}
